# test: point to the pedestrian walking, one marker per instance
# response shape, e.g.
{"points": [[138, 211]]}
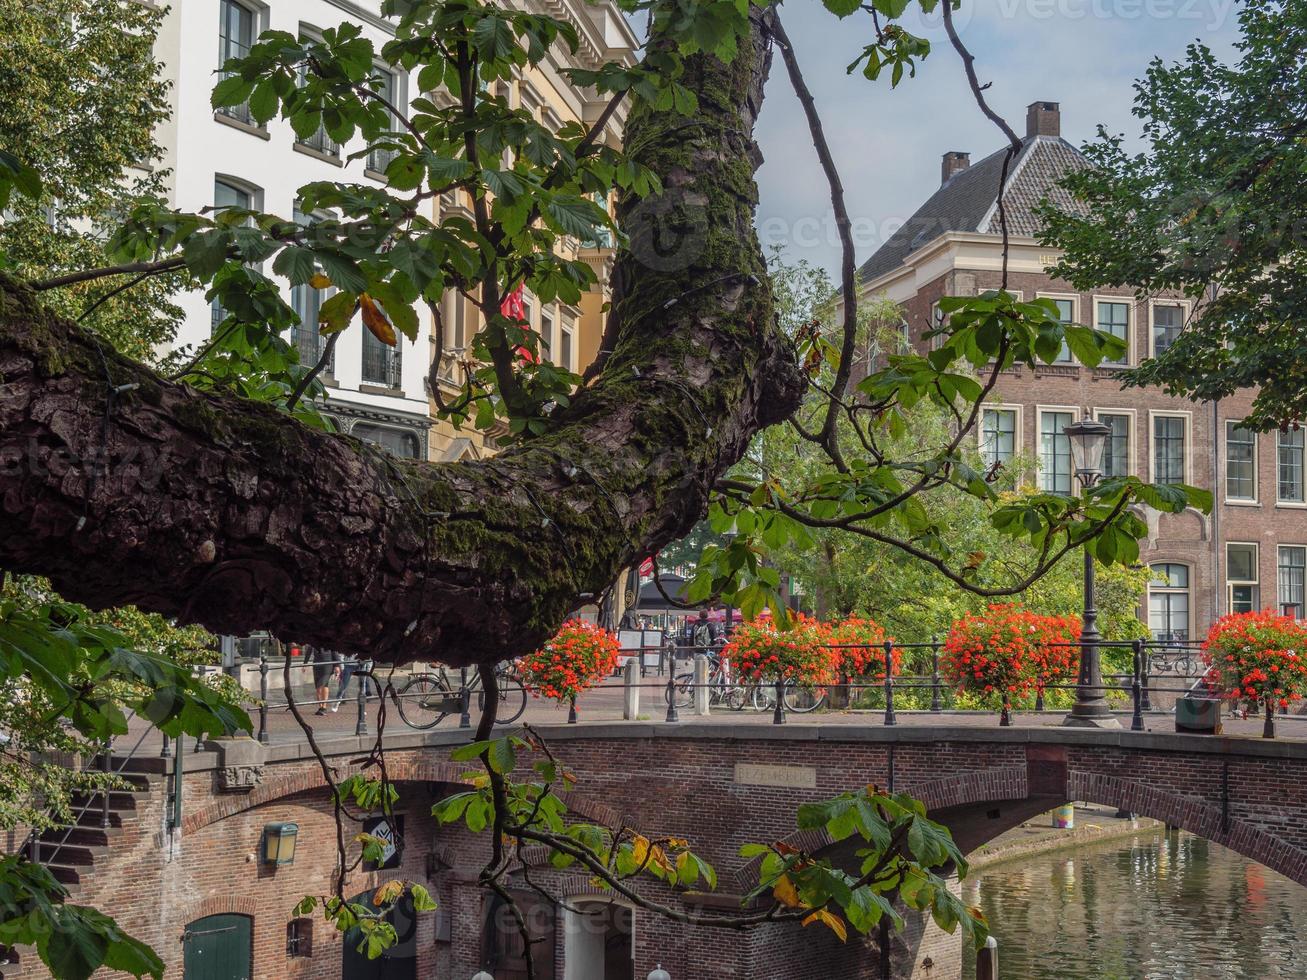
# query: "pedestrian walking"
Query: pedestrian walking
{"points": [[324, 668], [349, 667]]}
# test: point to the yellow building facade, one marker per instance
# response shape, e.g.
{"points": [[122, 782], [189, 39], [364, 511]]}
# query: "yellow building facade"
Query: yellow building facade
{"points": [[569, 334]]}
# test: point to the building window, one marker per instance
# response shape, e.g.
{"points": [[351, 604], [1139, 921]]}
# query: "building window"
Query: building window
{"points": [[998, 436], [1114, 318], [1168, 321], [1241, 576], [1066, 315], [382, 364], [235, 36], [1240, 462], [1292, 574], [388, 88], [1055, 451], [307, 301], [226, 195], [1116, 454], [1289, 456], [1168, 601], [567, 343], [397, 442], [1168, 449], [546, 335], [317, 140], [299, 937]]}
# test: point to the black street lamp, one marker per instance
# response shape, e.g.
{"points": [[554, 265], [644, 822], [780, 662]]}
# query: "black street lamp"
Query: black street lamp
{"points": [[1088, 439]]}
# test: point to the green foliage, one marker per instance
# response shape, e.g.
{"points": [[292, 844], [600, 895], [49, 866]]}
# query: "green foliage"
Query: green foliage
{"points": [[73, 941], [82, 98], [1213, 208]]}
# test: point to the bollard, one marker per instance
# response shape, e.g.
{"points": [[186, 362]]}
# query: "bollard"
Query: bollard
{"points": [[1136, 688], [1268, 728], [936, 701], [631, 690], [778, 716], [465, 714], [263, 698], [1039, 699], [165, 752], [571, 712], [987, 960], [672, 714], [890, 717], [702, 694], [361, 702]]}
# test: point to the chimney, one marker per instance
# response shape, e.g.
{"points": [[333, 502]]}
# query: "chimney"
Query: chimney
{"points": [[954, 162], [1043, 119]]}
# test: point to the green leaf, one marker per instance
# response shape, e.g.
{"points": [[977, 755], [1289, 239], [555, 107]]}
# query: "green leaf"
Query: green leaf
{"points": [[502, 756]]}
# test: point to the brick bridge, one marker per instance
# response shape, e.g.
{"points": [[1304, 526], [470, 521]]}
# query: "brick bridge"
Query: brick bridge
{"points": [[718, 785]]}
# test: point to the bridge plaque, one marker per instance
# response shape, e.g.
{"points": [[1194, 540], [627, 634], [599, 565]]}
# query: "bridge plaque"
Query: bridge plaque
{"points": [[758, 774]]}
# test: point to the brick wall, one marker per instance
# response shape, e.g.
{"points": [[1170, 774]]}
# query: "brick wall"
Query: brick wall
{"points": [[1246, 794]]}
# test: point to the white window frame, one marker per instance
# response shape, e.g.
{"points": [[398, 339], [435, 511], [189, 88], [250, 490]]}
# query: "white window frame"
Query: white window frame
{"points": [[1017, 435], [1190, 591], [1040, 411], [399, 95], [1291, 504], [1132, 434], [1279, 601], [1255, 581], [1255, 499], [1188, 418], [1074, 299], [1186, 308], [1131, 322]]}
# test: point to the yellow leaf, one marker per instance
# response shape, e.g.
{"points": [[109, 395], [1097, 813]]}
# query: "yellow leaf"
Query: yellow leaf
{"points": [[785, 892], [658, 858], [388, 892], [639, 849], [376, 321], [319, 281], [832, 922]]}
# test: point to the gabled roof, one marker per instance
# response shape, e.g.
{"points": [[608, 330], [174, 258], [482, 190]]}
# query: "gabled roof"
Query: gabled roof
{"points": [[968, 202]]}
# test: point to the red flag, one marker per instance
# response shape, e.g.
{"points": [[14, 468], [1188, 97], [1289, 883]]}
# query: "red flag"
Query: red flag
{"points": [[514, 308]]}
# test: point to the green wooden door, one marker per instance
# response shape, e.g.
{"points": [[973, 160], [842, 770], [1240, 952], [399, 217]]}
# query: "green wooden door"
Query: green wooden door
{"points": [[217, 947]]}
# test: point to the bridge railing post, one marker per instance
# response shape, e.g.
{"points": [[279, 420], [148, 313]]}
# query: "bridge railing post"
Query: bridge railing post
{"points": [[465, 696], [936, 699], [778, 716], [263, 698], [672, 714], [890, 717], [361, 704], [1145, 698], [1136, 688]]}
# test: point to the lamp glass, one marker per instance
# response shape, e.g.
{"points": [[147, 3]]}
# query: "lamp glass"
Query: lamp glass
{"points": [[279, 843], [482, 975], [658, 973], [1088, 440]]}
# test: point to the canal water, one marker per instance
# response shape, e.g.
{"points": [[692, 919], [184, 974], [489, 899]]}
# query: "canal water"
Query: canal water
{"points": [[1154, 907]]}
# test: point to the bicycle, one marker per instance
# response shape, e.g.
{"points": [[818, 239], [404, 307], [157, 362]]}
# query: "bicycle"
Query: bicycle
{"points": [[798, 698], [722, 687], [426, 699]]}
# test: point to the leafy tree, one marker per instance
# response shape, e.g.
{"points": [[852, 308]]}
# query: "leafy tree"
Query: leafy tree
{"points": [[83, 100], [267, 523], [1215, 207]]}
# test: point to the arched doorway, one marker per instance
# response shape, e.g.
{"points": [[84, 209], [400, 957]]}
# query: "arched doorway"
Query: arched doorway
{"points": [[503, 951], [598, 942], [218, 947], [400, 962]]}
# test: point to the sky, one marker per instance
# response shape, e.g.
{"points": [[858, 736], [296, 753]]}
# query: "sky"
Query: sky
{"points": [[1084, 54]]}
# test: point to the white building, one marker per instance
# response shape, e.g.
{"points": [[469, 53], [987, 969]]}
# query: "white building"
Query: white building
{"points": [[223, 158]]}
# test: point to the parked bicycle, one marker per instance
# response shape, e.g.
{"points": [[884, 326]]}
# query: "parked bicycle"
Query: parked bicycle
{"points": [[723, 687], [426, 699]]}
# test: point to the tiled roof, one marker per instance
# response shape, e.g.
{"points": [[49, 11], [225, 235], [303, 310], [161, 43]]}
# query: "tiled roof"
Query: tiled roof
{"points": [[967, 203]]}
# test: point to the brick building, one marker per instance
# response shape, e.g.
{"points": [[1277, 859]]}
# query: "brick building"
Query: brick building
{"points": [[1250, 552]]}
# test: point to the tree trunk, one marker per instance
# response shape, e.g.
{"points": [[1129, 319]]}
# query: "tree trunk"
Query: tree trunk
{"points": [[227, 513]]}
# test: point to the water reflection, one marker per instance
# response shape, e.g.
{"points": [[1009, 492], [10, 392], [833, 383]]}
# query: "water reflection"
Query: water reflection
{"points": [[1153, 907]]}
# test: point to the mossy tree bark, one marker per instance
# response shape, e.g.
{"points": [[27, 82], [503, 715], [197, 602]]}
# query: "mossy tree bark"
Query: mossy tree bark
{"points": [[228, 513]]}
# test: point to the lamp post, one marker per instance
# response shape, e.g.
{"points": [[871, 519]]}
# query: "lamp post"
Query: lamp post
{"points": [[1088, 439]]}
